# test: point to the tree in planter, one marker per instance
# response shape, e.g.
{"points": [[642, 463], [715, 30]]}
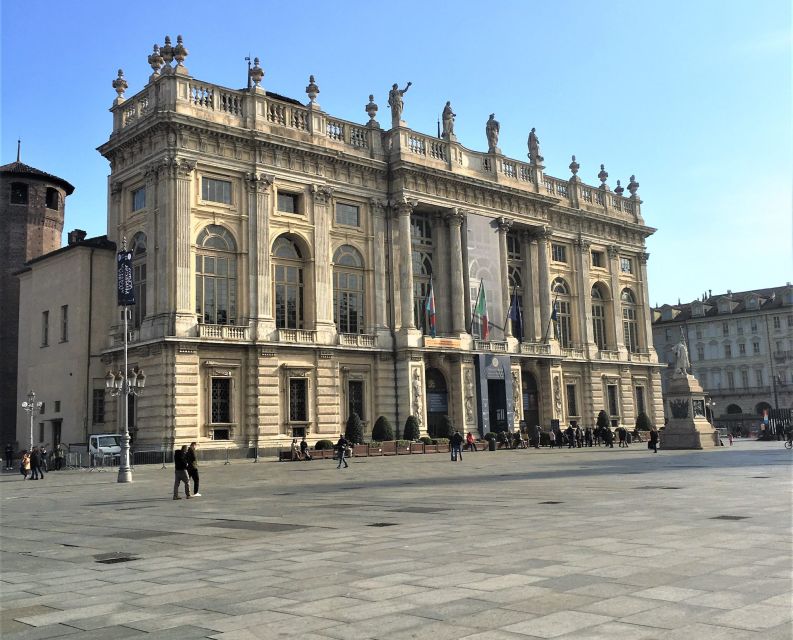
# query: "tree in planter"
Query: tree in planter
{"points": [[445, 428], [603, 420], [382, 430], [354, 430], [643, 422], [412, 429]]}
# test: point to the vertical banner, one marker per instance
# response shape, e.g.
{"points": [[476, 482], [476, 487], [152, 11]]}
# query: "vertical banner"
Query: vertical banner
{"points": [[125, 289]]}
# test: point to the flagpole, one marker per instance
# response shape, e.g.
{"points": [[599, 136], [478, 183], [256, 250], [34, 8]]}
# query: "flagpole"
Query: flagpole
{"points": [[473, 315], [509, 309]]}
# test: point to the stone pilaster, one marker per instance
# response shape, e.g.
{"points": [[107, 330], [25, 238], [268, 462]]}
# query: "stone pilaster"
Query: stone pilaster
{"points": [[181, 241], [455, 218], [328, 386], [645, 322], [440, 272], [532, 324], [259, 297], [380, 295], [403, 210], [268, 393], [323, 275], [616, 307], [582, 261], [187, 395], [504, 225], [544, 280]]}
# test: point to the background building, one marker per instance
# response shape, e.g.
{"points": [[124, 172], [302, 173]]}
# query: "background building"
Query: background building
{"points": [[32, 205], [740, 347], [284, 260]]}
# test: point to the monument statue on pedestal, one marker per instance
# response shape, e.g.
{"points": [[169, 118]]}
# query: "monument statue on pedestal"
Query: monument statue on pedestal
{"points": [[682, 363]]}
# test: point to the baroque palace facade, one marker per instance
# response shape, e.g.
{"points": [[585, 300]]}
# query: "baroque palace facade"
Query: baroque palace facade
{"points": [[283, 259]]}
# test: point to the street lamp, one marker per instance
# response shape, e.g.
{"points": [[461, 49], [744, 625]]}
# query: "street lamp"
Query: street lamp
{"points": [[122, 386], [712, 406], [31, 406]]}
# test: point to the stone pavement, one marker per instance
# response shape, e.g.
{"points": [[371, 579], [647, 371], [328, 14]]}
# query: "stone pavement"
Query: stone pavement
{"points": [[598, 543]]}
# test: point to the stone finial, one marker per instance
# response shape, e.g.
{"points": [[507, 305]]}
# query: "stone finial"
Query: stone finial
{"points": [[371, 109], [155, 60], [257, 73], [603, 176], [312, 91], [633, 186], [166, 51], [180, 52], [574, 166], [619, 188], [120, 84]]}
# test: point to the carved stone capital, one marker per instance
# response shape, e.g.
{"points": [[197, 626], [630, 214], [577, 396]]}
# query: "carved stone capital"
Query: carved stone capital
{"points": [[455, 217], [322, 193], [582, 245], [504, 224], [643, 257], [404, 207], [258, 182], [378, 206], [542, 233], [614, 251], [184, 167], [116, 187]]}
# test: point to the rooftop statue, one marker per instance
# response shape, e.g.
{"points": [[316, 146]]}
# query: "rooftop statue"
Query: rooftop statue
{"points": [[448, 122], [492, 129], [534, 147], [396, 103]]}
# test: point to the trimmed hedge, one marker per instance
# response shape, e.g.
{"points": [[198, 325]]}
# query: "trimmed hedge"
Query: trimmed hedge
{"points": [[323, 444], [643, 422], [354, 430], [382, 429], [603, 419], [412, 430], [426, 440]]}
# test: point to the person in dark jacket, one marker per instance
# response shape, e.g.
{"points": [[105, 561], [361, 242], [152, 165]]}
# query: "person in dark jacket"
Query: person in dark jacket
{"points": [[653, 442], [180, 473], [304, 449], [35, 464], [9, 454], [192, 467], [457, 447], [341, 447]]}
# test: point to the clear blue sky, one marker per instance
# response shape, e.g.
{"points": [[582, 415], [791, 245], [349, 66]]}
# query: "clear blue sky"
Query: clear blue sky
{"points": [[692, 97]]}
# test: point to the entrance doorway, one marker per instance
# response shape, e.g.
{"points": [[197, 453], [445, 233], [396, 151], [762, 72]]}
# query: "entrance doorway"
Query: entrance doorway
{"points": [[437, 402], [56, 433], [531, 401], [496, 392]]}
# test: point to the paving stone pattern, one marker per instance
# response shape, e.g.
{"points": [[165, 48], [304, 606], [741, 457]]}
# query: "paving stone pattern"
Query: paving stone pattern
{"points": [[584, 544]]}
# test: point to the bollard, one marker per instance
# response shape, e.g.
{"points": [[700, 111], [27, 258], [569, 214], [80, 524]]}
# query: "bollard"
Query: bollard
{"points": [[227, 457]]}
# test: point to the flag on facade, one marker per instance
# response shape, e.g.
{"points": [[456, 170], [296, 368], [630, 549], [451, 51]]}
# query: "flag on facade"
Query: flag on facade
{"points": [[516, 316], [480, 319], [429, 309]]}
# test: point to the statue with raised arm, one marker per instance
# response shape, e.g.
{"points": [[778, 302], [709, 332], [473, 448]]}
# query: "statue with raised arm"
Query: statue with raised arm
{"points": [[396, 103], [492, 129], [534, 147], [448, 122], [682, 362]]}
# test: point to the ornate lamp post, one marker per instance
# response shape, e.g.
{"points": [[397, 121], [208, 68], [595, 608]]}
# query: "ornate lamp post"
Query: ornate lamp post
{"points": [[712, 406], [31, 406]]}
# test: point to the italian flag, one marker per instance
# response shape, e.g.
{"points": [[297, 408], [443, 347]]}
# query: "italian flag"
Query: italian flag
{"points": [[479, 318]]}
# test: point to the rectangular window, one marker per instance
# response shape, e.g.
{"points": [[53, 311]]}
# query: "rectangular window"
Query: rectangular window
{"points": [[288, 203], [725, 328], [139, 199], [57, 406], [742, 349], [598, 259], [65, 323], [777, 322], [221, 434], [780, 346], [347, 214], [756, 348], [700, 353], [572, 406], [744, 379], [640, 404], [790, 321], [727, 351], [558, 253], [614, 409], [758, 376], [513, 247], [298, 400], [221, 401], [668, 334], [754, 326], [45, 328], [98, 412], [41, 432], [355, 398], [730, 380], [626, 265], [740, 330], [216, 190], [699, 333]]}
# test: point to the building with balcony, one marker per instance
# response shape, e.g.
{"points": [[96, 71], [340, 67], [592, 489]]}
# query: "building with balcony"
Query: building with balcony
{"points": [[284, 260], [741, 349]]}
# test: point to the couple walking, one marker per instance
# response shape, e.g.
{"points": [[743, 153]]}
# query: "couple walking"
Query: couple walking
{"points": [[185, 463]]}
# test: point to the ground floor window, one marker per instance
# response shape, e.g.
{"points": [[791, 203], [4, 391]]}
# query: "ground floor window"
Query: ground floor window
{"points": [[298, 400], [572, 404], [640, 404], [98, 414], [221, 401], [614, 408], [355, 398]]}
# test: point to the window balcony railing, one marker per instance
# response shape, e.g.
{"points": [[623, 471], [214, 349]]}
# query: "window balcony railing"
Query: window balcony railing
{"points": [[639, 356], [535, 348], [608, 354], [222, 331], [357, 339], [490, 345], [297, 336], [572, 352]]}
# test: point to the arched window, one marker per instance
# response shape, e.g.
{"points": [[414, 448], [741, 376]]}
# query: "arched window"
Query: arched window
{"points": [[19, 193], [288, 283], [630, 328], [734, 408], [562, 311], [599, 318], [138, 248], [348, 290], [52, 198], [216, 276], [423, 250]]}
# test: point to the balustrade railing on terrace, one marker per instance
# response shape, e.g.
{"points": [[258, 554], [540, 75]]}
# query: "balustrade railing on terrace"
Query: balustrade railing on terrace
{"points": [[491, 345], [299, 336], [639, 356], [607, 354], [358, 339], [535, 348], [222, 331], [572, 352]]}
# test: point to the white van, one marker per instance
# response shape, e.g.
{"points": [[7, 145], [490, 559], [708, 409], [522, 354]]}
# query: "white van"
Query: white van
{"points": [[104, 444]]}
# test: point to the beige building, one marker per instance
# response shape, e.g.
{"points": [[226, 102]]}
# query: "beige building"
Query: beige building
{"points": [[741, 350], [284, 258]]}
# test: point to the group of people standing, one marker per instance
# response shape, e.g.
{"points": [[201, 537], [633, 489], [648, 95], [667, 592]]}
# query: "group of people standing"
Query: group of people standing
{"points": [[33, 463]]}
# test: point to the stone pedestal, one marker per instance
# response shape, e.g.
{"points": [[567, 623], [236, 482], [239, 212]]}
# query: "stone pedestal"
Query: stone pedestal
{"points": [[688, 428]]}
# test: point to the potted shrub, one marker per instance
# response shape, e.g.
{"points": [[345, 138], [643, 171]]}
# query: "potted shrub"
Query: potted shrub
{"points": [[411, 430], [354, 430], [382, 430]]}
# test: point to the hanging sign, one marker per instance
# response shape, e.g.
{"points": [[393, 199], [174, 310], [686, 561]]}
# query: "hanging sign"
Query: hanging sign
{"points": [[126, 291]]}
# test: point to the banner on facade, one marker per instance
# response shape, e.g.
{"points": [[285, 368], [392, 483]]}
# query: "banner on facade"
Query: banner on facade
{"points": [[125, 289]]}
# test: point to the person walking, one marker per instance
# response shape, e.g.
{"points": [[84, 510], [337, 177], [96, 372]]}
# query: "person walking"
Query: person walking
{"points": [[653, 442], [552, 438], [341, 447], [470, 442], [729, 437], [44, 458], [180, 473], [24, 465], [304, 449], [570, 435], [9, 455], [35, 464], [192, 467], [588, 436], [537, 436], [621, 437], [457, 447]]}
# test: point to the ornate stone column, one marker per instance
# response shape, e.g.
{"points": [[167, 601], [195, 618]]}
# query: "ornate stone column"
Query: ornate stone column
{"points": [[616, 306], [440, 272], [543, 237], [181, 241], [504, 225], [403, 210], [259, 305], [531, 299], [323, 276], [379, 297], [646, 322], [455, 218], [584, 290]]}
